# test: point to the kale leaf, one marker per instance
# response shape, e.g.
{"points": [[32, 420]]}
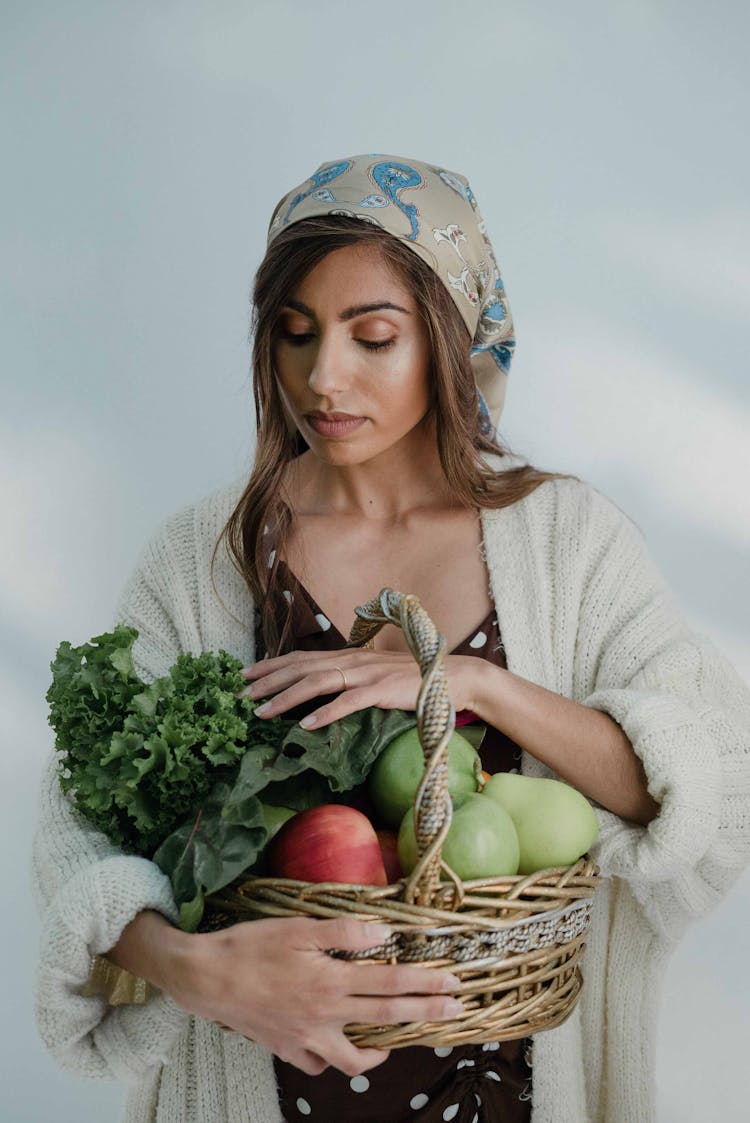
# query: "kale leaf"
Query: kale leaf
{"points": [[139, 759]]}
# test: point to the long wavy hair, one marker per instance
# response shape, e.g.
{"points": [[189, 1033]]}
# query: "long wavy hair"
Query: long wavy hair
{"points": [[454, 406]]}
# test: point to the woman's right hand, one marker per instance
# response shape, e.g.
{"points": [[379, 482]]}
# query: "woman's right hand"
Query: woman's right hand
{"points": [[272, 981]]}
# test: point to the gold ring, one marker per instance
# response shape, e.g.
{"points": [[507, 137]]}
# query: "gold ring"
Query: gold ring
{"points": [[346, 684]]}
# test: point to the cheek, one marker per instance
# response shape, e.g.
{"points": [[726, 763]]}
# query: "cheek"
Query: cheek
{"points": [[290, 372], [286, 395], [411, 381]]}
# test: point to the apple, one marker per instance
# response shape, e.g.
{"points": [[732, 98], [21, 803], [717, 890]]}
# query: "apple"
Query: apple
{"points": [[360, 799], [555, 823], [481, 840], [332, 842], [397, 773], [389, 849]]}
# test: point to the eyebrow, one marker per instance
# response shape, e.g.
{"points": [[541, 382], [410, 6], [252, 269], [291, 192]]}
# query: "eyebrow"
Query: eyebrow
{"points": [[348, 313]]}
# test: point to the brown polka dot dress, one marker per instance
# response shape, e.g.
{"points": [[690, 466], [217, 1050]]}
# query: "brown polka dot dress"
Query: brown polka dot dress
{"points": [[415, 1084]]}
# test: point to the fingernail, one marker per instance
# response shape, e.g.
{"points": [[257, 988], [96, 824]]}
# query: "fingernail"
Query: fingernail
{"points": [[309, 721], [260, 710], [450, 982], [452, 1006]]}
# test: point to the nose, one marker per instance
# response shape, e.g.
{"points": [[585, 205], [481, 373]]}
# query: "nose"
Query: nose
{"points": [[328, 374]]}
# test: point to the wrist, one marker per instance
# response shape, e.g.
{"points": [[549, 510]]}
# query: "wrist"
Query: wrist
{"points": [[487, 687], [200, 970], [152, 948], [176, 964]]}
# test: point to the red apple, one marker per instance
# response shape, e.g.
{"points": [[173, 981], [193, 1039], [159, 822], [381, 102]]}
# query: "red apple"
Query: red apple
{"points": [[328, 843], [359, 798], [389, 849]]}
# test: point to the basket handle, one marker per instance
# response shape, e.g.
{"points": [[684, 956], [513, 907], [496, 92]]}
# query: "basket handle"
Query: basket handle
{"points": [[436, 719]]}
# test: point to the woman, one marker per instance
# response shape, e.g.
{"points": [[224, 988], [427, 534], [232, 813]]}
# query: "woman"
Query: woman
{"points": [[380, 356]]}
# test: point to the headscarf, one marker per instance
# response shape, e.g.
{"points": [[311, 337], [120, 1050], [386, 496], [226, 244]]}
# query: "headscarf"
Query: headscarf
{"points": [[435, 213]]}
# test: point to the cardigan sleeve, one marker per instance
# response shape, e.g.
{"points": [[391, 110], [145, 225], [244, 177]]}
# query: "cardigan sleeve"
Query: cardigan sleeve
{"points": [[686, 713], [87, 891]]}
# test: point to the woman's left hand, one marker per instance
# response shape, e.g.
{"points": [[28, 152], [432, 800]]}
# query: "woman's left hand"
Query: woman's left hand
{"points": [[360, 677]]}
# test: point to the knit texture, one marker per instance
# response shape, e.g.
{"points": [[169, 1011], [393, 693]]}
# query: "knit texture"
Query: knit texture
{"points": [[583, 611]]}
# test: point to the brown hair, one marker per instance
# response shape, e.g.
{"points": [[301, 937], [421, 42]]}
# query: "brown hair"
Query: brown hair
{"points": [[290, 256]]}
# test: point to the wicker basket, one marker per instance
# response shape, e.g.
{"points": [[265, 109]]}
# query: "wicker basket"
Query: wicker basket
{"points": [[515, 942]]}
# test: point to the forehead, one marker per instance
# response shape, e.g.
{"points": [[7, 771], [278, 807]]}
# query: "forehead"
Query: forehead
{"points": [[353, 272]]}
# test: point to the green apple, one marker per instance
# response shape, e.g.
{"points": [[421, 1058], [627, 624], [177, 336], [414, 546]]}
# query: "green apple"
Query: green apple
{"points": [[554, 822], [397, 773], [481, 840]]}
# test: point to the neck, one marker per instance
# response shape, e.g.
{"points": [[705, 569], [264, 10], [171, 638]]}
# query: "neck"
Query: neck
{"points": [[387, 489]]}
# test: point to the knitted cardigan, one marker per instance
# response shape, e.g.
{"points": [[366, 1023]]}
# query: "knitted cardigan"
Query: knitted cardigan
{"points": [[583, 611]]}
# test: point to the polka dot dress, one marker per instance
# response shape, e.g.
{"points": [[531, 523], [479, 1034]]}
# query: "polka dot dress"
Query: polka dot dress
{"points": [[465, 1083], [479, 1088]]}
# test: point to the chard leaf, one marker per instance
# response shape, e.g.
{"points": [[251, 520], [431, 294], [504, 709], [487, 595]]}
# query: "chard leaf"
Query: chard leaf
{"points": [[208, 853], [301, 792], [345, 751], [191, 913]]}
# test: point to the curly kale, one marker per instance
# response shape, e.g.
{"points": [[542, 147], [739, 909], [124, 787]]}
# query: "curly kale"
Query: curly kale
{"points": [[139, 759]]}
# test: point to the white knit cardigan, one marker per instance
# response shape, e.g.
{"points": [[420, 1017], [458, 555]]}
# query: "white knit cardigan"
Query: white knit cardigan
{"points": [[583, 611]]}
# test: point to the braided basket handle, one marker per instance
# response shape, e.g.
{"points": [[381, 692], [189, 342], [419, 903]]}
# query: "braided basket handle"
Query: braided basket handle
{"points": [[436, 719]]}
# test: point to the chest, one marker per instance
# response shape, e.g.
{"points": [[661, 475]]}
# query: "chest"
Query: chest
{"points": [[344, 563]]}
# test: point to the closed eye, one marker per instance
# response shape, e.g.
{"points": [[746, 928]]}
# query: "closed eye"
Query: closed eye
{"points": [[299, 339], [372, 346], [296, 339]]}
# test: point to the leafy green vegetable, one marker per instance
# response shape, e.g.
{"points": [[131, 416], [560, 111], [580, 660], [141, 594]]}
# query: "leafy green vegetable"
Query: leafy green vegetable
{"points": [[308, 768], [205, 855], [140, 759], [174, 770]]}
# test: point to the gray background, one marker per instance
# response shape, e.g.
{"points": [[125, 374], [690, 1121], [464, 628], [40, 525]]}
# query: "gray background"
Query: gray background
{"points": [[144, 146]]}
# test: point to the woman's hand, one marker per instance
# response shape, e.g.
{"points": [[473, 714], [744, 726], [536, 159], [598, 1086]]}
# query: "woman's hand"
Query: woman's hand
{"points": [[272, 981], [362, 678]]}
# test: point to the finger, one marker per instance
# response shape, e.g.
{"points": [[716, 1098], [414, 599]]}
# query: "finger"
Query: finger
{"points": [[272, 681], [343, 932], [349, 1058], [388, 692], [392, 1011], [308, 690], [266, 665], [354, 656], [306, 1060], [279, 662], [348, 702], [362, 978], [319, 678], [371, 1058], [327, 688]]}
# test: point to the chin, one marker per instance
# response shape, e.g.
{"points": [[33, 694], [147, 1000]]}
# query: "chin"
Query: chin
{"points": [[340, 456]]}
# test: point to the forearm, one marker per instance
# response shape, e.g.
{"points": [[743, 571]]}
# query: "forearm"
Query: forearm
{"points": [[152, 949], [585, 747]]}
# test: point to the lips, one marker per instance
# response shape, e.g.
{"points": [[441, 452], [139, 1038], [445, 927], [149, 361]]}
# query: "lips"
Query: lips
{"points": [[332, 425], [318, 415]]}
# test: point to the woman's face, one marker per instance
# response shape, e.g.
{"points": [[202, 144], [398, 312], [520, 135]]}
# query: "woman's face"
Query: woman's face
{"points": [[351, 343]]}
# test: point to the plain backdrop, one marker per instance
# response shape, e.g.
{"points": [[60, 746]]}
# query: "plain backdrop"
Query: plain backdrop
{"points": [[144, 146]]}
